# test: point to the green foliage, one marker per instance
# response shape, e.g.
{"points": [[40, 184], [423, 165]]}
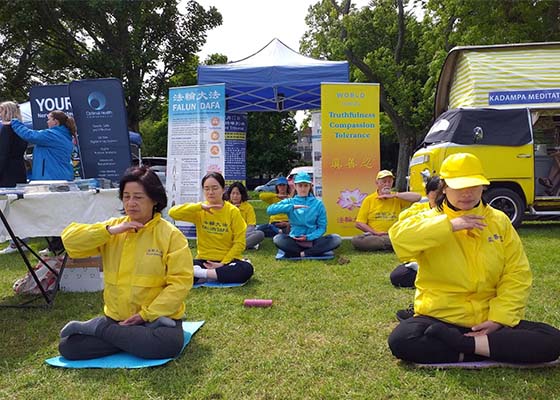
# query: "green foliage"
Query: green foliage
{"points": [[154, 137], [325, 337], [271, 141], [143, 43], [405, 54]]}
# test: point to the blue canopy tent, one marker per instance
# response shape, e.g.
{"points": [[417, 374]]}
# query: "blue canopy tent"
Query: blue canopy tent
{"points": [[276, 78]]}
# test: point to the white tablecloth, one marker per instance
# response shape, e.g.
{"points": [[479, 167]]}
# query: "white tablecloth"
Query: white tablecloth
{"points": [[48, 213]]}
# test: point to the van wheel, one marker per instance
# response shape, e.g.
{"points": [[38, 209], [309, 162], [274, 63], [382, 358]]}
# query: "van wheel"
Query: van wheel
{"points": [[508, 201]]}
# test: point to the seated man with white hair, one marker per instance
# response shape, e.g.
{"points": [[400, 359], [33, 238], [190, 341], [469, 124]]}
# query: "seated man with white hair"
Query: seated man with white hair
{"points": [[379, 211]]}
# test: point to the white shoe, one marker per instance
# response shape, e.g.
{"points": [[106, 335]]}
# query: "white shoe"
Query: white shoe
{"points": [[45, 252], [11, 249], [256, 247]]}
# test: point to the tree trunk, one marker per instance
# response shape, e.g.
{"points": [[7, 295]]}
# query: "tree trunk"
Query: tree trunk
{"points": [[406, 147]]}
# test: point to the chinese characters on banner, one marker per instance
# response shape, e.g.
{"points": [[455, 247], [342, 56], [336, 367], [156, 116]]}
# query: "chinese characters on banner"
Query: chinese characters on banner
{"points": [[350, 151], [195, 142], [236, 145]]}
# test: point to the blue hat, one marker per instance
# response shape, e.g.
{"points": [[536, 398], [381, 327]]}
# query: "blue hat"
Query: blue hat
{"points": [[302, 177], [281, 181]]}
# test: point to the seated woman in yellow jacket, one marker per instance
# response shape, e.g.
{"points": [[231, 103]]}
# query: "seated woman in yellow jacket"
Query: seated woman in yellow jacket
{"points": [[220, 231], [238, 196], [277, 223], [473, 282], [147, 269]]}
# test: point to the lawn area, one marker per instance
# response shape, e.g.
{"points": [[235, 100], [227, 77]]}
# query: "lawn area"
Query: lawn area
{"points": [[325, 337]]}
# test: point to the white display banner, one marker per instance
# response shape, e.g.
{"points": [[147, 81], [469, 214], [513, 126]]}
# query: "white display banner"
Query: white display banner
{"points": [[195, 142]]}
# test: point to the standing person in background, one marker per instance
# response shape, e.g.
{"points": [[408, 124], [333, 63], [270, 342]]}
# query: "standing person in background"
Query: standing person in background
{"points": [[278, 223], [220, 232], [238, 196], [52, 155], [308, 222], [147, 272], [12, 164], [378, 212], [12, 148], [473, 282]]}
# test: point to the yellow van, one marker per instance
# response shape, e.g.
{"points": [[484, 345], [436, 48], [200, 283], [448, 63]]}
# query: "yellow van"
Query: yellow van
{"points": [[501, 103]]}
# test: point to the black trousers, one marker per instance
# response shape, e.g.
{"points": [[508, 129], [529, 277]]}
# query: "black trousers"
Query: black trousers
{"points": [[111, 338], [237, 271], [402, 276], [528, 342]]}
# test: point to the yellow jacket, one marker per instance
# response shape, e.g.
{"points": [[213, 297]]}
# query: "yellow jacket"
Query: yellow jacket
{"points": [[469, 276], [380, 214], [248, 213], [220, 234], [272, 198], [415, 208], [148, 272]]}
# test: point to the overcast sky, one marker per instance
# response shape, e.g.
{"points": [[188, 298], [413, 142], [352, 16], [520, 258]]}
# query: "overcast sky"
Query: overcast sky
{"points": [[248, 25]]}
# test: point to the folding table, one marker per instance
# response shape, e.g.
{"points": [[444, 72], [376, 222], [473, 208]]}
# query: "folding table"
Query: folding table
{"points": [[46, 214]]}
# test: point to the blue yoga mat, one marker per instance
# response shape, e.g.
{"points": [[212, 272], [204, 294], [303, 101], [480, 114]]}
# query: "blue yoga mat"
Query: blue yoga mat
{"points": [[214, 284], [125, 360], [329, 255], [487, 364]]}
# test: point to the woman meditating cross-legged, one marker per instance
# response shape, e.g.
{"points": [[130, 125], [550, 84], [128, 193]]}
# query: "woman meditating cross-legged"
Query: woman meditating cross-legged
{"points": [[147, 269], [473, 282], [220, 232], [308, 222], [238, 196]]}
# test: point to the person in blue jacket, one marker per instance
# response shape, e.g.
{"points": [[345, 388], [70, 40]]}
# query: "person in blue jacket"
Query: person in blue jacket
{"points": [[308, 222], [53, 146]]}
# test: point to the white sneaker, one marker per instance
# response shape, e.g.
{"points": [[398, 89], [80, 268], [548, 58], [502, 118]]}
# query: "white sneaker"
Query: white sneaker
{"points": [[256, 247], [11, 249]]}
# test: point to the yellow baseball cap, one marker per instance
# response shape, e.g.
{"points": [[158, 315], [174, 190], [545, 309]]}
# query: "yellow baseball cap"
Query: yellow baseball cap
{"points": [[462, 170], [384, 173]]}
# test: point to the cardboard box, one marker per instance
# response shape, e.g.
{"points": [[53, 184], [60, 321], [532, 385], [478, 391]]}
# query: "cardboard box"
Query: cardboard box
{"points": [[82, 275]]}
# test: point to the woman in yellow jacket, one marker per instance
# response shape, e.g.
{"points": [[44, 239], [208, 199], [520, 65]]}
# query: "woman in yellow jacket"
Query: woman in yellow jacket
{"points": [[220, 231], [237, 195], [148, 271], [473, 282]]}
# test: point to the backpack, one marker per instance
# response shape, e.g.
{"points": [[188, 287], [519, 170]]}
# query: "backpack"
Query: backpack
{"points": [[27, 285]]}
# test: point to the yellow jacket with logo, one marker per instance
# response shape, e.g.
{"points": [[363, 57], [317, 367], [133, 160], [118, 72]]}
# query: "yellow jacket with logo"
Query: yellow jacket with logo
{"points": [[380, 214], [148, 272], [248, 213], [220, 234], [272, 198], [469, 276]]}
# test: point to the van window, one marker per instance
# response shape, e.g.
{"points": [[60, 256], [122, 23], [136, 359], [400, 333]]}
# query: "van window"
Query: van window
{"points": [[482, 126]]}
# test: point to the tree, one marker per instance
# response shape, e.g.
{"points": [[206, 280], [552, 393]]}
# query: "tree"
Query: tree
{"points": [[385, 43], [270, 143], [382, 42], [143, 43]]}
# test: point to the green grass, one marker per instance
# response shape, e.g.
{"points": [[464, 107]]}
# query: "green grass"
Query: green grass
{"points": [[325, 337]]}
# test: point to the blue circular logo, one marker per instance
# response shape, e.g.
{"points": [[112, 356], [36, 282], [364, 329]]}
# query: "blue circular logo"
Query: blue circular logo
{"points": [[97, 101]]}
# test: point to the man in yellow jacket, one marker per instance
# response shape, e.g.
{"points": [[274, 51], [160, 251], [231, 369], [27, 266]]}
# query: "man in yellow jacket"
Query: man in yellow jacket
{"points": [[379, 211], [473, 282]]}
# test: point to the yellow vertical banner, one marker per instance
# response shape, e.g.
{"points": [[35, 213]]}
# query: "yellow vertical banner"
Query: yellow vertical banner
{"points": [[351, 156]]}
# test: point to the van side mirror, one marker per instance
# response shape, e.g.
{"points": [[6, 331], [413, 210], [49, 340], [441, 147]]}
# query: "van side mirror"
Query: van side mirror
{"points": [[478, 134]]}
